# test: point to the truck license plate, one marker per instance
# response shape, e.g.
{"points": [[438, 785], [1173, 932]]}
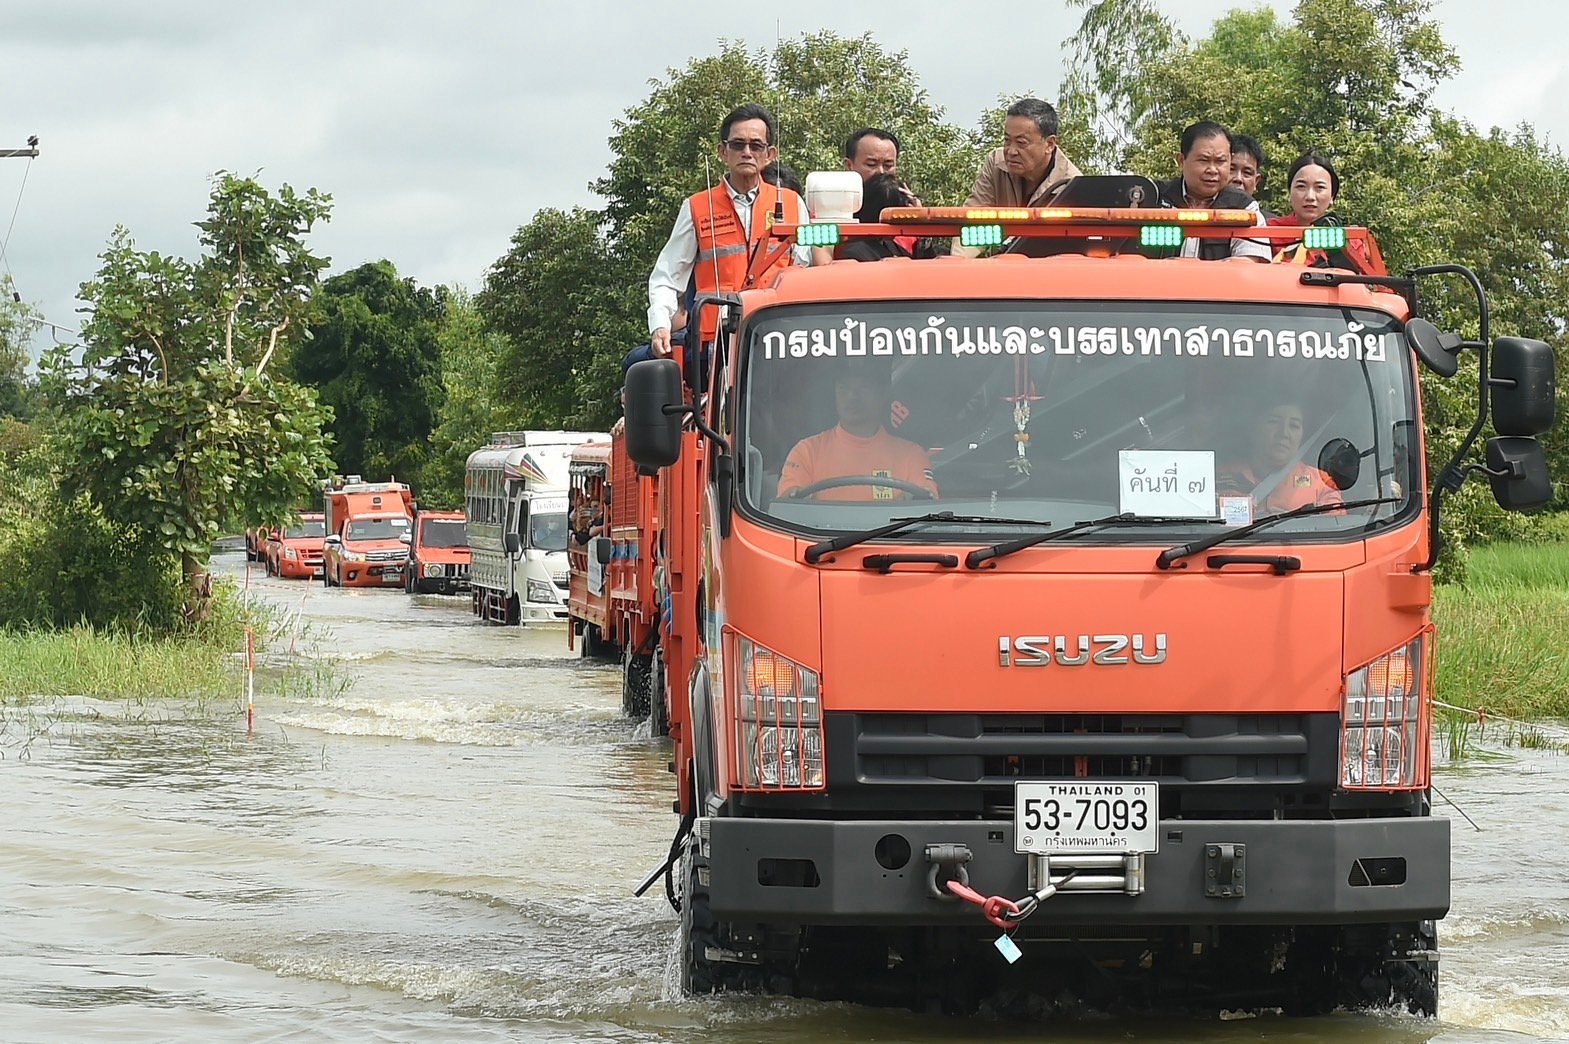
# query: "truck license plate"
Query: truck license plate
{"points": [[1079, 816]]}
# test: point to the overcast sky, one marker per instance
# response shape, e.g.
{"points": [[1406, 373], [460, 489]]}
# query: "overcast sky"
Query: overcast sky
{"points": [[440, 128]]}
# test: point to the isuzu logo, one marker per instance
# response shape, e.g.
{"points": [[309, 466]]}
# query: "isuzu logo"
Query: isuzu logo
{"points": [[1069, 650]]}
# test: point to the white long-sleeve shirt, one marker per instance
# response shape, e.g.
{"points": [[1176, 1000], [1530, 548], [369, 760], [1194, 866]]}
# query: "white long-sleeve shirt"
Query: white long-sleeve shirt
{"points": [[673, 270]]}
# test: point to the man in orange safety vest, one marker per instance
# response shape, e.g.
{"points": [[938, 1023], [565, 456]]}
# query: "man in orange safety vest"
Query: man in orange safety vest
{"points": [[717, 231]]}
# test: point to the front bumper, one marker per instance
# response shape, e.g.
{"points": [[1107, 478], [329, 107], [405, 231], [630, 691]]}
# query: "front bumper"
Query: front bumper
{"points": [[1298, 872]]}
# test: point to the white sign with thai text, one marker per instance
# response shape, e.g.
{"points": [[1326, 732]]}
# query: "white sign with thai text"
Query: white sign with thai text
{"points": [[1167, 483]]}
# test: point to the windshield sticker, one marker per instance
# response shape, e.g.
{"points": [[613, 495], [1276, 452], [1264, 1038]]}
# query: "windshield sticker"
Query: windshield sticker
{"points": [[939, 336], [548, 505], [1166, 483], [1236, 511]]}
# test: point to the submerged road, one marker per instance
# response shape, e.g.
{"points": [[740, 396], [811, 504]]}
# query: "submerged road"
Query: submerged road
{"points": [[445, 852]]}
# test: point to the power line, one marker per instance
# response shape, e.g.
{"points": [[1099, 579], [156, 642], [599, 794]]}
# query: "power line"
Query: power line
{"points": [[30, 153]]}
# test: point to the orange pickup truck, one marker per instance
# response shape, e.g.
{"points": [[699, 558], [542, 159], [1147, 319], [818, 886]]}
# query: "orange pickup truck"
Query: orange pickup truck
{"points": [[294, 551], [438, 553]]}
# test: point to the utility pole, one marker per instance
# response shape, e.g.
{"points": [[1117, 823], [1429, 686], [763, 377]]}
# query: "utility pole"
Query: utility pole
{"points": [[28, 153]]}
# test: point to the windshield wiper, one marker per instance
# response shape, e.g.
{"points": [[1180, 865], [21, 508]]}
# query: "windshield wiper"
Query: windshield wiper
{"points": [[975, 559], [1174, 554], [839, 543]]}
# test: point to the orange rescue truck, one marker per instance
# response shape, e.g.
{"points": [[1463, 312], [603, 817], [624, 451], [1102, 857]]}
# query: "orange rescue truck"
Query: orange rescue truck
{"points": [[439, 553], [612, 599], [1096, 701], [365, 523]]}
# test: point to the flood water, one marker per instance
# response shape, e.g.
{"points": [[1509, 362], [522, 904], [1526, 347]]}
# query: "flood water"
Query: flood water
{"points": [[445, 852]]}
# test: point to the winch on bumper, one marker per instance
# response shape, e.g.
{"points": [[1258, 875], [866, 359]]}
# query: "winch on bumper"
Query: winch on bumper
{"points": [[1206, 871]]}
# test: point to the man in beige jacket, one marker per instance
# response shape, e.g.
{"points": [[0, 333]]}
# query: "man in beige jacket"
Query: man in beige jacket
{"points": [[1028, 170]]}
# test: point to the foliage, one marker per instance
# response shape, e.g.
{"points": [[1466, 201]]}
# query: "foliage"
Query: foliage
{"points": [[569, 297], [470, 411], [16, 326], [373, 358], [1499, 643], [1353, 79], [170, 423], [568, 311], [62, 562]]}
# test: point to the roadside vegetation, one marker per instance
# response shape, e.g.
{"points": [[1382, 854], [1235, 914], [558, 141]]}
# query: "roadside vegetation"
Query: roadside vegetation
{"points": [[1501, 630]]}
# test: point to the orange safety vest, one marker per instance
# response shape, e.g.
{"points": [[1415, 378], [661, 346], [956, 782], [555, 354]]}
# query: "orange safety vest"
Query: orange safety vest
{"points": [[723, 250]]}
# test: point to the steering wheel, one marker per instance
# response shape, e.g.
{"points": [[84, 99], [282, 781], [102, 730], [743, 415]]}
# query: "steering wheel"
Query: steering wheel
{"points": [[916, 492]]}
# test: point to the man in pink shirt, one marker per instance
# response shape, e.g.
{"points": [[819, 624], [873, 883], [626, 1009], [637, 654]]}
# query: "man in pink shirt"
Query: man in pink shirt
{"points": [[858, 446]]}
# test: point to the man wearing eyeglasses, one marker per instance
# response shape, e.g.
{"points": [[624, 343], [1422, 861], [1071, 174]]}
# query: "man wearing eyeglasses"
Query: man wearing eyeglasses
{"points": [[717, 231]]}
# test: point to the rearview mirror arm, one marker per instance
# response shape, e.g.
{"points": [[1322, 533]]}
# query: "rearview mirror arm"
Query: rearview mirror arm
{"points": [[1453, 475], [695, 414]]}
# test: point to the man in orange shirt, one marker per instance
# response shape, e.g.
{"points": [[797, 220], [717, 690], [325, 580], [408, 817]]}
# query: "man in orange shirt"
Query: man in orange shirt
{"points": [[890, 468], [1272, 475]]}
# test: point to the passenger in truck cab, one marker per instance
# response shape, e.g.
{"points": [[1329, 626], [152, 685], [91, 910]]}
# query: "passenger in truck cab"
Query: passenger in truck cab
{"points": [[1270, 468], [859, 446]]}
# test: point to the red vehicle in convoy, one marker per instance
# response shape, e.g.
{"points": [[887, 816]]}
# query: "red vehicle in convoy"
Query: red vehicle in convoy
{"points": [[438, 553], [294, 551], [612, 602], [366, 523]]}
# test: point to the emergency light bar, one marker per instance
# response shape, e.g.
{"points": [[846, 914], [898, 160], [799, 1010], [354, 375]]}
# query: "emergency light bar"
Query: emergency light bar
{"points": [[1067, 216]]}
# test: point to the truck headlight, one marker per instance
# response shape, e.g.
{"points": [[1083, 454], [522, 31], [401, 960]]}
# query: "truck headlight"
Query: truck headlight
{"points": [[1383, 742], [291, 554], [779, 722], [351, 556], [541, 591], [432, 569]]}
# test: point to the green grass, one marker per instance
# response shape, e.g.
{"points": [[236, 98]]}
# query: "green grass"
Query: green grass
{"points": [[84, 662], [1501, 633]]}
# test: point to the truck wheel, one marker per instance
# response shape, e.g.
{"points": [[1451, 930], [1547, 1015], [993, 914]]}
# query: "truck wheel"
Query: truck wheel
{"points": [[659, 709], [636, 684], [699, 932], [1390, 966]]}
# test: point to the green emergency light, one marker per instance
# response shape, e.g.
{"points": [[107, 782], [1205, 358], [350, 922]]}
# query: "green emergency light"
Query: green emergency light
{"points": [[980, 235], [1324, 237], [1165, 236], [817, 235]]}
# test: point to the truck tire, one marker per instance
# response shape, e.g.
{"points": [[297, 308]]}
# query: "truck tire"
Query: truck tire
{"points": [[1390, 966], [699, 932], [637, 683], [658, 707]]}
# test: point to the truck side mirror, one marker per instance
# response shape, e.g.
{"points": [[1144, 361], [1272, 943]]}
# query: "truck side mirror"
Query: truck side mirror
{"points": [[512, 542], [602, 551], [1341, 462], [1523, 386], [1438, 350], [333, 539], [407, 538], [1517, 468], [653, 433]]}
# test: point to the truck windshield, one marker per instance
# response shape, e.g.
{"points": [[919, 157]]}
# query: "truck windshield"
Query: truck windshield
{"points": [[443, 532], [547, 530], [1057, 412], [376, 528], [305, 531]]}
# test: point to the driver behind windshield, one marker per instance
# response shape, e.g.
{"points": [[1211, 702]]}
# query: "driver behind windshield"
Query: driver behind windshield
{"points": [[858, 447], [1272, 472]]}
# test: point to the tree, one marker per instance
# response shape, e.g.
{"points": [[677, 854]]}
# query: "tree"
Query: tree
{"points": [[471, 408], [172, 423], [570, 295], [1354, 79], [568, 310], [820, 87], [16, 326], [373, 358]]}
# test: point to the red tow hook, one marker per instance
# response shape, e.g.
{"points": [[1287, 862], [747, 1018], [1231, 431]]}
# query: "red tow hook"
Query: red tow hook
{"points": [[994, 907]]}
